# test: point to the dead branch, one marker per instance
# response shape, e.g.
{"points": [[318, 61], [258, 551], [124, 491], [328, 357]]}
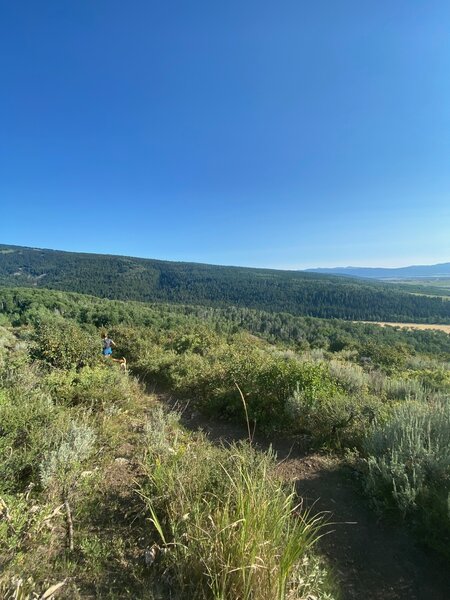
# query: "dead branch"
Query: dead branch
{"points": [[250, 436], [69, 523]]}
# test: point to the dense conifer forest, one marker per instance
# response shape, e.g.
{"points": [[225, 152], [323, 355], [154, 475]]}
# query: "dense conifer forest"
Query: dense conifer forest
{"points": [[294, 292]]}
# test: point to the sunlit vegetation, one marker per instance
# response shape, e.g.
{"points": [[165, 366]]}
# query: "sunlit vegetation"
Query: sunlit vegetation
{"points": [[104, 492]]}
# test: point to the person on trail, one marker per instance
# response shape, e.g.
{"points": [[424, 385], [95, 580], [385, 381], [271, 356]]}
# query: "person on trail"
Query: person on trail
{"points": [[107, 345]]}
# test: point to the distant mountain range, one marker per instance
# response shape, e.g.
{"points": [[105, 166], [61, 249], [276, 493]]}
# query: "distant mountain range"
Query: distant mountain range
{"points": [[439, 271]]}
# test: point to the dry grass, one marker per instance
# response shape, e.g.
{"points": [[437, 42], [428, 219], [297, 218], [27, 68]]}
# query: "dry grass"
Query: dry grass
{"points": [[445, 328]]}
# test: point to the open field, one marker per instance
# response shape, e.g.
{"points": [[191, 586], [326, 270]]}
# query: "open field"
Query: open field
{"points": [[445, 328], [425, 286], [438, 282], [442, 294]]}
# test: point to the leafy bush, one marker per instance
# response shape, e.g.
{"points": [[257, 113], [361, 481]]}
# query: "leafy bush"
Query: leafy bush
{"points": [[434, 380], [267, 379], [335, 420], [23, 418], [195, 339], [96, 387], [388, 357], [62, 344]]}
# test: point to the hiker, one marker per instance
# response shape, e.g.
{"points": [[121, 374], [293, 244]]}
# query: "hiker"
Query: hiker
{"points": [[107, 343]]}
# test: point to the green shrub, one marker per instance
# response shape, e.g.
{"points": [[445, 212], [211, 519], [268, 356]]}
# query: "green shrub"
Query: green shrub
{"points": [[23, 419], [388, 357], [408, 465], [62, 344], [404, 389], [6, 341], [350, 377], [96, 387], [434, 380], [154, 365], [132, 342], [336, 420], [197, 340], [266, 379]]}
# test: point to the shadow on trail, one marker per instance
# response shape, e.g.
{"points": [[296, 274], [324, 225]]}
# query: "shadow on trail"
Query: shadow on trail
{"points": [[373, 559]]}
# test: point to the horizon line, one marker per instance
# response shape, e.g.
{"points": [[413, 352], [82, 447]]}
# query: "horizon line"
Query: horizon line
{"points": [[201, 262]]}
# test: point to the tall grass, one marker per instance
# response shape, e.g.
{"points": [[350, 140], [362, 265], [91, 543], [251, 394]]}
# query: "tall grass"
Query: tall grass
{"points": [[229, 528]]}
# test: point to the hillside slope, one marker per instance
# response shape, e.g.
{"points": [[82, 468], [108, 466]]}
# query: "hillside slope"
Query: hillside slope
{"points": [[298, 293]]}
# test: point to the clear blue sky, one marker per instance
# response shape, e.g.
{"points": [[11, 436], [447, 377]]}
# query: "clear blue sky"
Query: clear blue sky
{"points": [[284, 134]]}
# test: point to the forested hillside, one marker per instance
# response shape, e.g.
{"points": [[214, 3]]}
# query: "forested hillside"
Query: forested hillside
{"points": [[385, 344], [297, 293]]}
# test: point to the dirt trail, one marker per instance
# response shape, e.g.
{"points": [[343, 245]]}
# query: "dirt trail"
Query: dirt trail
{"points": [[372, 559]]}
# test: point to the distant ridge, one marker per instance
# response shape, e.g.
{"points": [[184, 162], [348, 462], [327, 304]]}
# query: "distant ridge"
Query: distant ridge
{"points": [[441, 270]]}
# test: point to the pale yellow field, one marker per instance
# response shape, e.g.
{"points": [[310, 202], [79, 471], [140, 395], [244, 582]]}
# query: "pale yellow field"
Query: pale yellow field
{"points": [[445, 328]]}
